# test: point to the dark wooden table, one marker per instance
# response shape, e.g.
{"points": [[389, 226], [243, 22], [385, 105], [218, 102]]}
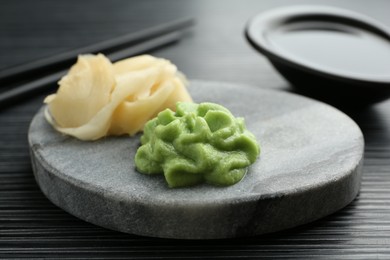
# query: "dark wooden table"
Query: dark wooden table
{"points": [[32, 227]]}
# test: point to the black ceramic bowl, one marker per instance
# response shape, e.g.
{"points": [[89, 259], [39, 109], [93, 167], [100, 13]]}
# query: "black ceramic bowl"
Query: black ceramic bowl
{"points": [[328, 53]]}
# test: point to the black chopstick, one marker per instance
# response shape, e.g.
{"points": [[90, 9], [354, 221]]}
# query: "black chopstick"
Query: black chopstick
{"points": [[38, 86], [63, 60]]}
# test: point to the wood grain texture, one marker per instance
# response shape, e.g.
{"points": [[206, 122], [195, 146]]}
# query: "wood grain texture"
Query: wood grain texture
{"points": [[32, 227]]}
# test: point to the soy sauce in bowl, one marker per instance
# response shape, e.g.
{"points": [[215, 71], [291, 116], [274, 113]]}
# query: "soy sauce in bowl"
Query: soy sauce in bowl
{"points": [[328, 53]]}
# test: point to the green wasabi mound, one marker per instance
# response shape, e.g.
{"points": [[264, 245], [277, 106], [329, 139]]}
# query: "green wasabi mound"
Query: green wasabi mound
{"points": [[198, 143]]}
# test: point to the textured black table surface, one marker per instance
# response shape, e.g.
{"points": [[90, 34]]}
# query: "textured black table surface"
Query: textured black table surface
{"points": [[32, 227]]}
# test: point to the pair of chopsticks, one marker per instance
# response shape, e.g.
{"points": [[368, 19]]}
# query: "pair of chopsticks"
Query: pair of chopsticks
{"points": [[51, 69]]}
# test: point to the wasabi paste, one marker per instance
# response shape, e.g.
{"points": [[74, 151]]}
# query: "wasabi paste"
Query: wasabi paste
{"points": [[198, 143]]}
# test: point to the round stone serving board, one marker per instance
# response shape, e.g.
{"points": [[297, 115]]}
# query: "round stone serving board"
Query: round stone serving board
{"points": [[309, 167]]}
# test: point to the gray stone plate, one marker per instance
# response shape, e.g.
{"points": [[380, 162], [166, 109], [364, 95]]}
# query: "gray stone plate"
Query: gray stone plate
{"points": [[310, 166]]}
